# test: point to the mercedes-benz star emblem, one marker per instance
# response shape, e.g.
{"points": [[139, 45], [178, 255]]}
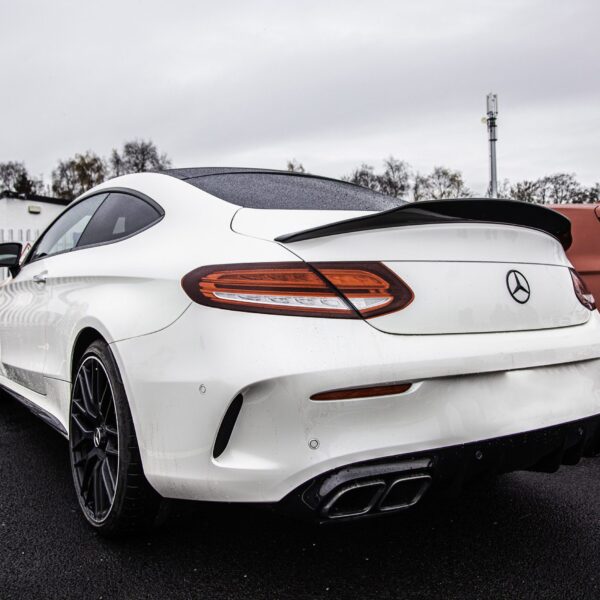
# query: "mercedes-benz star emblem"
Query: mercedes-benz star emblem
{"points": [[97, 437], [518, 286]]}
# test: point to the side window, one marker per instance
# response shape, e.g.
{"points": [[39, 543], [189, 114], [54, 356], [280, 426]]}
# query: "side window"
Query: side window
{"points": [[65, 232], [119, 216]]}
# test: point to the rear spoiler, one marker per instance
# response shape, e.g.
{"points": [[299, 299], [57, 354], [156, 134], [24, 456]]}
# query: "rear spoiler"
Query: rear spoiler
{"points": [[469, 210]]}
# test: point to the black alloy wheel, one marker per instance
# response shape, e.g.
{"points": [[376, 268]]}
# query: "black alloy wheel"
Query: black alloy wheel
{"points": [[94, 439], [110, 484]]}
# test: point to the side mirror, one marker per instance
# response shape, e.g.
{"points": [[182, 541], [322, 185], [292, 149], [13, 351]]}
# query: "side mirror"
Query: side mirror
{"points": [[10, 254]]}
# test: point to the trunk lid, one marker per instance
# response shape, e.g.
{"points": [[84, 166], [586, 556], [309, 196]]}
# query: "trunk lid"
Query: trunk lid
{"points": [[467, 276]]}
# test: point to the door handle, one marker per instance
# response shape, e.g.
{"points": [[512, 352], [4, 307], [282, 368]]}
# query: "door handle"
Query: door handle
{"points": [[40, 277]]}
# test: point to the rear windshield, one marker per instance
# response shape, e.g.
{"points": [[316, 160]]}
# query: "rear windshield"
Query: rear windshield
{"points": [[282, 191]]}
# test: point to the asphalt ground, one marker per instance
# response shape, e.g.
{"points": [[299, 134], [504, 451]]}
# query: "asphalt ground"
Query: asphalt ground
{"points": [[524, 535]]}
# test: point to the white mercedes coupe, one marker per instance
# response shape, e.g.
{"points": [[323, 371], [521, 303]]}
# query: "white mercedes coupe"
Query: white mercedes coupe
{"points": [[287, 340]]}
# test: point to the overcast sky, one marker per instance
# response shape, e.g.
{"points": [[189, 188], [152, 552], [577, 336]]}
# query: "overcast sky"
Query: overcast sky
{"points": [[332, 84]]}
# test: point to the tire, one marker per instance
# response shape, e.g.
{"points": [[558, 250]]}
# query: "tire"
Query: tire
{"points": [[113, 493]]}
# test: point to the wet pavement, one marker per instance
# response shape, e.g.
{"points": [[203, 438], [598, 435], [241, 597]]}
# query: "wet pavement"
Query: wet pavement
{"points": [[524, 535]]}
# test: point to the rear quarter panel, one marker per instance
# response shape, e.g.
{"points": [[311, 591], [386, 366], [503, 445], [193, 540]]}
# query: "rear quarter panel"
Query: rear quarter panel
{"points": [[132, 287]]}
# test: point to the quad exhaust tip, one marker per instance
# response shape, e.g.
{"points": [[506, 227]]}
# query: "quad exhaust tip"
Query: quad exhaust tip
{"points": [[372, 496], [404, 492], [354, 499]]}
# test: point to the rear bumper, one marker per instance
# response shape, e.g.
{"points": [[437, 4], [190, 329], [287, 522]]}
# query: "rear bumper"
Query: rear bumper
{"points": [[439, 472], [466, 388]]}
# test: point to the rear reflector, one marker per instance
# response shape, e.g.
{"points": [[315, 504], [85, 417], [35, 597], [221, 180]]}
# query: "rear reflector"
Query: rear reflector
{"points": [[341, 290], [363, 392], [581, 291]]}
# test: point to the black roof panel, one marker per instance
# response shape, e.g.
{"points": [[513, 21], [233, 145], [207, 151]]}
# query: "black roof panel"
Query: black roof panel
{"points": [[272, 189]]}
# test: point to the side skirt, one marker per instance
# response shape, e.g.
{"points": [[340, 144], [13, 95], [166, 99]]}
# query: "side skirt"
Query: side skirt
{"points": [[37, 411]]}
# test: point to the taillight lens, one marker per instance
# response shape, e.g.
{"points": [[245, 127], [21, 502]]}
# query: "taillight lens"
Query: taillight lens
{"points": [[581, 291], [345, 290]]}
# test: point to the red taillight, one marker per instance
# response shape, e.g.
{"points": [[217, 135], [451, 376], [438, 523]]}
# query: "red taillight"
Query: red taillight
{"points": [[345, 290], [581, 291]]}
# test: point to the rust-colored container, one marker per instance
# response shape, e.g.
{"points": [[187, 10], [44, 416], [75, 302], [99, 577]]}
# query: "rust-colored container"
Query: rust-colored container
{"points": [[584, 253]]}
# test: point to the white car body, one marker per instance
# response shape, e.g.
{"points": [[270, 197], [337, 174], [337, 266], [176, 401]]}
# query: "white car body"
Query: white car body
{"points": [[481, 365]]}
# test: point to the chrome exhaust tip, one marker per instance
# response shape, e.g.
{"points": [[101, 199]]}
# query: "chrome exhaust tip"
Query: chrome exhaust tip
{"points": [[404, 492], [353, 500]]}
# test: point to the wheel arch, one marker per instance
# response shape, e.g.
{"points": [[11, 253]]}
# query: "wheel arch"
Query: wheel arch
{"points": [[84, 338], [88, 333]]}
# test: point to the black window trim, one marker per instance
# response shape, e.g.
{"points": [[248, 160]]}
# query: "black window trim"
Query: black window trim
{"points": [[59, 216], [106, 191], [126, 192]]}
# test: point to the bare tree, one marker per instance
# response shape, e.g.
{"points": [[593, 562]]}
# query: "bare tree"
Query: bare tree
{"points": [[441, 183], [76, 175], [15, 178], [364, 176], [590, 195], [137, 156], [295, 167], [526, 191], [395, 180], [559, 188], [504, 188], [419, 190]]}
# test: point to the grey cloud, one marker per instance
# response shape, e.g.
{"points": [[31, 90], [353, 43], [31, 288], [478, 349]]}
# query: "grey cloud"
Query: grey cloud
{"points": [[342, 81]]}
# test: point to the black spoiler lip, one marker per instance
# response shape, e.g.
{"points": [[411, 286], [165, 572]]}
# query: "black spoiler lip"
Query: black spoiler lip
{"points": [[460, 210]]}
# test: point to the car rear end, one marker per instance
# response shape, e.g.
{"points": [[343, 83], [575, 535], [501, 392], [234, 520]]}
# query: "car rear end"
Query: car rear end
{"points": [[353, 373]]}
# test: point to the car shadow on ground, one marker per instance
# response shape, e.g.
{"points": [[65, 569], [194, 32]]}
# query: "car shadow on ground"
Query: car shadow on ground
{"points": [[521, 535]]}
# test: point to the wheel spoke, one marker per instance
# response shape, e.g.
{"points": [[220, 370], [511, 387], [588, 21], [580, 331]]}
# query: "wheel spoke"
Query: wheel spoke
{"points": [[85, 431], [78, 404], [82, 461], [105, 402], [108, 480], [90, 462], [86, 391], [97, 377], [96, 485], [110, 450], [84, 439], [94, 376], [86, 387], [86, 395]]}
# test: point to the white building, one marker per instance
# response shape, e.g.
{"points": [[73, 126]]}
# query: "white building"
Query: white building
{"points": [[23, 218]]}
